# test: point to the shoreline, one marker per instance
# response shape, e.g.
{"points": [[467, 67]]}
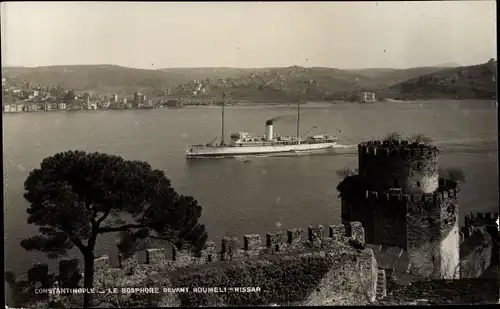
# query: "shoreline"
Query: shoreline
{"points": [[256, 104]]}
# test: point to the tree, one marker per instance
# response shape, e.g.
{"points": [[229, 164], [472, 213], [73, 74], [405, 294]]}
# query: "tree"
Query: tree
{"points": [[75, 197], [347, 172], [393, 137], [69, 97], [421, 139], [453, 173]]}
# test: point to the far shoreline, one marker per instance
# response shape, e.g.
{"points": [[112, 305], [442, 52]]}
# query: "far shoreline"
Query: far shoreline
{"points": [[242, 104], [269, 104]]}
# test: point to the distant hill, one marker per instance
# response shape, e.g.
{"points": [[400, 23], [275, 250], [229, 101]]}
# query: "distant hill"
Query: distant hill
{"points": [[384, 77], [253, 84], [96, 78], [448, 65], [477, 81], [214, 72], [290, 83]]}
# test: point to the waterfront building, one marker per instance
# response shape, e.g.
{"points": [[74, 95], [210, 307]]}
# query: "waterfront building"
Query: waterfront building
{"points": [[92, 105], [104, 104], [62, 105], [32, 107], [7, 108], [118, 105], [367, 97], [20, 107]]}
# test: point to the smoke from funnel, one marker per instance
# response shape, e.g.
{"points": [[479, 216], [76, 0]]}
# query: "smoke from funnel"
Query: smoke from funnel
{"points": [[283, 119]]}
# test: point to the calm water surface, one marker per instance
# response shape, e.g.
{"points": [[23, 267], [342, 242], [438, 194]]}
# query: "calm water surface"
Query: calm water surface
{"points": [[268, 194]]}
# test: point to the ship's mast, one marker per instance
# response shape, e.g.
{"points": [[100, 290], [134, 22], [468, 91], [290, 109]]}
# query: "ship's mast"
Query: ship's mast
{"points": [[222, 136], [298, 118]]}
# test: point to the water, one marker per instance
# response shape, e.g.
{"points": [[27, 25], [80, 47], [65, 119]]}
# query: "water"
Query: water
{"points": [[268, 194]]}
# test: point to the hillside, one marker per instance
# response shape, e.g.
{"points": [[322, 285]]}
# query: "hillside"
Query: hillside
{"points": [[258, 85], [96, 78], [386, 77], [284, 84], [478, 81], [213, 72], [276, 84]]}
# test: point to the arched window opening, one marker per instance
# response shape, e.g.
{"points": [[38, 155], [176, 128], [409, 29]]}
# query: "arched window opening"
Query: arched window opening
{"points": [[418, 184]]}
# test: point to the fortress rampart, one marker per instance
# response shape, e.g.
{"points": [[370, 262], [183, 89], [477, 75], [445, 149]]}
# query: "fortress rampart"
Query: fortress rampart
{"points": [[481, 218], [479, 244], [477, 251], [253, 247], [405, 204], [385, 214], [311, 268]]}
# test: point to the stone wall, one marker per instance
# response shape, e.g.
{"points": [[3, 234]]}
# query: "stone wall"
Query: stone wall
{"points": [[478, 249], [405, 204], [432, 234], [396, 219], [288, 268], [412, 167]]}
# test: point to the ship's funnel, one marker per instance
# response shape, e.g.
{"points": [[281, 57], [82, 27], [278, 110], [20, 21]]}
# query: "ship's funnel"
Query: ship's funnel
{"points": [[269, 130]]}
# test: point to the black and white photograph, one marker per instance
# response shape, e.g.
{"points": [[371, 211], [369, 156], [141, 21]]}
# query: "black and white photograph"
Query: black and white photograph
{"points": [[214, 154]]}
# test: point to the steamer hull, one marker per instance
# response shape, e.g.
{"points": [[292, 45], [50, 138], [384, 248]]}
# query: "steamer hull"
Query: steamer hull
{"points": [[194, 152], [245, 144]]}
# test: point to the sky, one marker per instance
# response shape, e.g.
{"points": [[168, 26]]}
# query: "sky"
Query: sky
{"points": [[344, 35]]}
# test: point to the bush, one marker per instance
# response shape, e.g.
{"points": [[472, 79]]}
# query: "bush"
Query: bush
{"points": [[453, 173], [347, 172], [393, 137], [420, 139]]}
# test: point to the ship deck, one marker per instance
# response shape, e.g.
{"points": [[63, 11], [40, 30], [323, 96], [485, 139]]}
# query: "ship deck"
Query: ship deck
{"points": [[264, 144]]}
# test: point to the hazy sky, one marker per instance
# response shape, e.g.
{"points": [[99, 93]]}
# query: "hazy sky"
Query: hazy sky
{"points": [[252, 34]]}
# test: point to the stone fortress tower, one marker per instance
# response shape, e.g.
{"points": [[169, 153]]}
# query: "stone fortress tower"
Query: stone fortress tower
{"points": [[401, 202]]}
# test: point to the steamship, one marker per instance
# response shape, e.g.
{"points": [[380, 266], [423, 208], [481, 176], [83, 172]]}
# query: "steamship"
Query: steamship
{"points": [[245, 144]]}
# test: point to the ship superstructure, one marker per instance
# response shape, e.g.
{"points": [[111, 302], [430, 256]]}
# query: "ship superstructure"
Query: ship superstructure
{"points": [[245, 144]]}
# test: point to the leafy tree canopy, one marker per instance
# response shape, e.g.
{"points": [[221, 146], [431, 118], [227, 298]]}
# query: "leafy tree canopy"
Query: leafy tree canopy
{"points": [[76, 196]]}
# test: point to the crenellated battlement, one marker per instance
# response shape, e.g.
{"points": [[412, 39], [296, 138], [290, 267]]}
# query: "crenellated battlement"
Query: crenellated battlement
{"points": [[403, 202], [401, 149], [437, 196], [473, 235], [294, 240], [480, 218], [253, 246], [405, 165]]}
